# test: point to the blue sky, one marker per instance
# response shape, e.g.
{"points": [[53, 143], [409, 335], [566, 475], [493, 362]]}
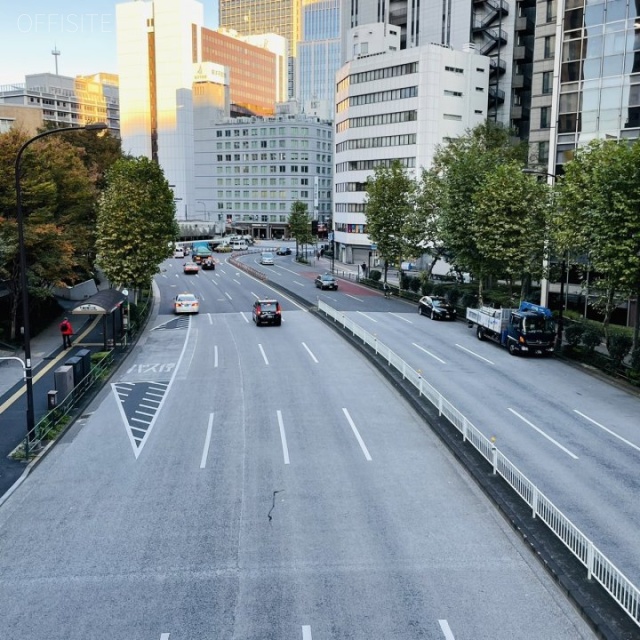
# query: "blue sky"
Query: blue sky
{"points": [[83, 31]]}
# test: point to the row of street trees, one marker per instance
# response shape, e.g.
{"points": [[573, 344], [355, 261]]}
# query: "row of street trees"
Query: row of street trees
{"points": [[478, 208], [81, 199]]}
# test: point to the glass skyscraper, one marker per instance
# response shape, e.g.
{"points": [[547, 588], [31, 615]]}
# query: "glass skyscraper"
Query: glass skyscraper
{"points": [[319, 55]]}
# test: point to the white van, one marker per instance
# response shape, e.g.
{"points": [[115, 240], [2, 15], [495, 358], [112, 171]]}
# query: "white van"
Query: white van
{"points": [[239, 245], [178, 252]]}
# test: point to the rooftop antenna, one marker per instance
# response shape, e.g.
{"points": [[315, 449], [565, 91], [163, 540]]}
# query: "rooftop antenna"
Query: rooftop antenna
{"points": [[55, 53]]}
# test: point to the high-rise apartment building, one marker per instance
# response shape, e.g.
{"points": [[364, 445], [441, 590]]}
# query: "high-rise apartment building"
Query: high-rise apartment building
{"points": [[396, 104], [258, 17], [319, 56]]}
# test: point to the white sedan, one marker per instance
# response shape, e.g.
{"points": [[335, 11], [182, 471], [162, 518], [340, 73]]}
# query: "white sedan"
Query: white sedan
{"points": [[186, 303]]}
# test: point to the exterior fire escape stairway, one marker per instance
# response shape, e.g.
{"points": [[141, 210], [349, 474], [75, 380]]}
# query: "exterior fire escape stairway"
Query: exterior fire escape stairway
{"points": [[493, 34]]}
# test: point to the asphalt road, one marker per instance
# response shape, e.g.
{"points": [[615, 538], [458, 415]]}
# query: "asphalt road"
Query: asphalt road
{"points": [[574, 435], [245, 482]]}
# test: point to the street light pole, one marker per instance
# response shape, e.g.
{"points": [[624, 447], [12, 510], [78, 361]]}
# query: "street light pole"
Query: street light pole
{"points": [[24, 281]]}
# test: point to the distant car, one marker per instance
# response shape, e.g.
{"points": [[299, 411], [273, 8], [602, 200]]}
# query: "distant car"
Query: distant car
{"points": [[437, 308], [209, 263], [178, 253], [186, 303], [267, 311], [223, 248], [191, 267], [266, 257], [284, 251], [326, 281]]}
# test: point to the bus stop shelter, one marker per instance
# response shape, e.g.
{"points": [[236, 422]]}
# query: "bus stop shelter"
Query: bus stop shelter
{"points": [[105, 303]]}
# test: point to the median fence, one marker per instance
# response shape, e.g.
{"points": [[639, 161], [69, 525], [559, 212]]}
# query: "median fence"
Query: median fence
{"points": [[598, 566]]}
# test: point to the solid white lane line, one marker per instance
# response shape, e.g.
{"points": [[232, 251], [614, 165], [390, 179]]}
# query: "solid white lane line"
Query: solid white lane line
{"points": [[150, 400], [215, 355], [147, 406], [228, 296], [417, 346], [143, 421], [357, 435], [542, 433], [283, 437], [615, 435], [149, 393], [264, 355], [366, 316], [397, 315], [446, 630], [306, 632], [144, 413], [309, 352], [207, 442], [473, 353], [350, 296]]}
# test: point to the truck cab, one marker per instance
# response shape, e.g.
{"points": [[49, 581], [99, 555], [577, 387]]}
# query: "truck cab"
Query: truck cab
{"points": [[531, 329]]}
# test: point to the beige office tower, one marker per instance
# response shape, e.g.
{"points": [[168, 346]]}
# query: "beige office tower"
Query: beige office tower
{"points": [[257, 17]]}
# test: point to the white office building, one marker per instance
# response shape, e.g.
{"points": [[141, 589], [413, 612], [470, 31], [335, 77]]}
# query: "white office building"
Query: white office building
{"points": [[394, 104]]}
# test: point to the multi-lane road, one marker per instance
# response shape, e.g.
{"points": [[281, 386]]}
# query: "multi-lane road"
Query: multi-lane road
{"points": [[244, 482]]}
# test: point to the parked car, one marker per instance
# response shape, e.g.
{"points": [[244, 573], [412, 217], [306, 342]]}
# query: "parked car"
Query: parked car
{"points": [[326, 281], [437, 308], [209, 263], [191, 267], [186, 303], [284, 251], [266, 257], [267, 311]]}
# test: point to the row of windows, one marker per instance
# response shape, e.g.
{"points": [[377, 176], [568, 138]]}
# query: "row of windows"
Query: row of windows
{"points": [[350, 228], [379, 96], [247, 157], [346, 187], [254, 168], [271, 144], [372, 143], [282, 194], [349, 207], [381, 118], [263, 182], [271, 131], [263, 206], [377, 74], [368, 165], [454, 69]]}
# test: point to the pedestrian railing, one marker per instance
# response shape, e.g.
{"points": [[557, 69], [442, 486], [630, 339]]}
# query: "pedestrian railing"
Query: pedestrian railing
{"points": [[598, 566], [56, 419]]}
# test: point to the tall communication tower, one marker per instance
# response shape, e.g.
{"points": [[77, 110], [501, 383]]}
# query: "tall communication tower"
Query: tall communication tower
{"points": [[55, 53]]}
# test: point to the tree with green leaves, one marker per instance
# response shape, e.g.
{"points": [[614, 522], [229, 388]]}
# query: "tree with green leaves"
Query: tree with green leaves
{"points": [[136, 222], [510, 224], [389, 209], [58, 207], [598, 213], [458, 171], [300, 225]]}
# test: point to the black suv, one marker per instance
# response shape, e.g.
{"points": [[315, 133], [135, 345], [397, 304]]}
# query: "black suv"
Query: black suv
{"points": [[267, 311], [326, 281]]}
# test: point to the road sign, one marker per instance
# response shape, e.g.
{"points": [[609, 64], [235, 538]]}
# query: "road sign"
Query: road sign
{"points": [[374, 247]]}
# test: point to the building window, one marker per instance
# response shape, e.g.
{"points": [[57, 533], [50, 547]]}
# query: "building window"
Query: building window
{"points": [[547, 82], [543, 151], [545, 113], [549, 46], [550, 12]]}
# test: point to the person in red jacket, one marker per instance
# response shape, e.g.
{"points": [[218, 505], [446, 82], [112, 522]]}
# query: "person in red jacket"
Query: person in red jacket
{"points": [[67, 331]]}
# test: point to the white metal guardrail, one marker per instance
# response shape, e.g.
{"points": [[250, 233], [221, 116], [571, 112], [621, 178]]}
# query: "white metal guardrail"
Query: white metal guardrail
{"points": [[598, 566]]}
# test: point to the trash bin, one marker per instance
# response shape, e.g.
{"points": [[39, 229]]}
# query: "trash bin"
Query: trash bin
{"points": [[52, 399]]}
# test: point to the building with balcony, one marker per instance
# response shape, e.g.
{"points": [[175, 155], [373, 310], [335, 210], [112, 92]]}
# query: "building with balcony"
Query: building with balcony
{"points": [[396, 104]]}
